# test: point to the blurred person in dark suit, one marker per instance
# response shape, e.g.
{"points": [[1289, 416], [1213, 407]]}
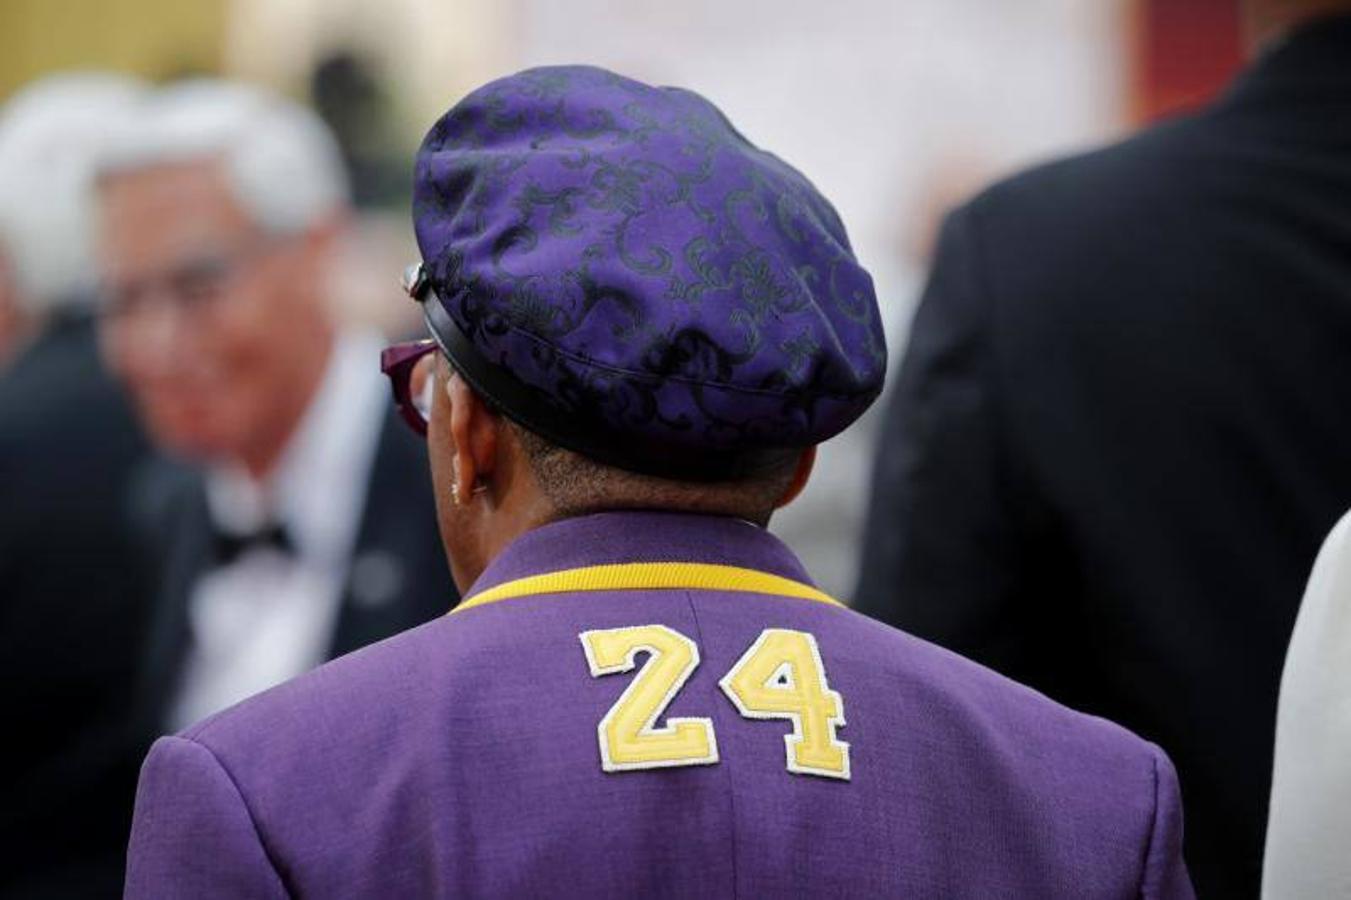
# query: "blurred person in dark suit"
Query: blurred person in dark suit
{"points": [[1122, 425], [73, 600], [311, 530]]}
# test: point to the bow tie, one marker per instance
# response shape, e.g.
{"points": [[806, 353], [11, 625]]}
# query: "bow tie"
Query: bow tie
{"points": [[228, 546]]}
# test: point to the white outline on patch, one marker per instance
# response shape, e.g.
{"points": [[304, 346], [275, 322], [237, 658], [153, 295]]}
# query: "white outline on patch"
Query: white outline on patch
{"points": [[774, 683], [649, 728]]}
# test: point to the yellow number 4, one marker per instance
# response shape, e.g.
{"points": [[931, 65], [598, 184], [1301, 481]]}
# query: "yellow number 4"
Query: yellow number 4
{"points": [[779, 677], [629, 736]]}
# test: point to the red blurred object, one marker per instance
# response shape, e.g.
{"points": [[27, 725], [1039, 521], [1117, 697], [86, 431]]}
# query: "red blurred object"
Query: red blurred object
{"points": [[1185, 52]]}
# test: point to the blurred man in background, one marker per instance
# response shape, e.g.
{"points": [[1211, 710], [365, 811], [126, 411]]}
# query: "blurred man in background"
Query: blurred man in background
{"points": [[1123, 423], [73, 599], [312, 531]]}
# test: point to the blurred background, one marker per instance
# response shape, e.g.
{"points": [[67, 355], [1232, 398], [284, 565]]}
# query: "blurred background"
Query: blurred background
{"points": [[897, 110]]}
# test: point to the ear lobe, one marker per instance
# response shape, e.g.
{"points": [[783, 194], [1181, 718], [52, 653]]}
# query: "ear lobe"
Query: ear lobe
{"points": [[805, 463]]}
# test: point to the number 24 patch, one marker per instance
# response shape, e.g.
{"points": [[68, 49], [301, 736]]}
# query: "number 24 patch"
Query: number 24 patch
{"points": [[779, 677]]}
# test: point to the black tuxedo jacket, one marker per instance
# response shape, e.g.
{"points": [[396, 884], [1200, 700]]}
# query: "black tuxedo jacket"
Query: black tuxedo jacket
{"points": [[1123, 426], [398, 577], [74, 607]]}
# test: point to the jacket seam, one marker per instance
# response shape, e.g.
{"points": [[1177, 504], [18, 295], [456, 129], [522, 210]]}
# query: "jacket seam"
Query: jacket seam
{"points": [[731, 786]]}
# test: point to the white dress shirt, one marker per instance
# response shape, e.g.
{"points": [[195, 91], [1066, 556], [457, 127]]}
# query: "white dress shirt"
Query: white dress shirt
{"points": [[1308, 851], [269, 615]]}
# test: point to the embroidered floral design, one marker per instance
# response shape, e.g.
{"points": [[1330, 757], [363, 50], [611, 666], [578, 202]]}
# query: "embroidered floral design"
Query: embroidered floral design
{"points": [[625, 251]]}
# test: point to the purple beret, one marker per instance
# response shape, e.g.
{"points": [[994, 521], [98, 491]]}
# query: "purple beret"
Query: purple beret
{"points": [[619, 270]]}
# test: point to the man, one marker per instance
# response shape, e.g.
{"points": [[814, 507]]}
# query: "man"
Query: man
{"points": [[643, 325], [73, 599], [1122, 425], [310, 534]]}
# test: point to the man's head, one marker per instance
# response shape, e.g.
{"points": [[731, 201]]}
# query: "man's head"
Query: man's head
{"points": [[640, 308], [495, 479], [218, 213], [52, 134], [1267, 20]]}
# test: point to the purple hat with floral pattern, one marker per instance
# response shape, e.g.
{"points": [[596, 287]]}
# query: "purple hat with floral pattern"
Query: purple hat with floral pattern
{"points": [[617, 269]]}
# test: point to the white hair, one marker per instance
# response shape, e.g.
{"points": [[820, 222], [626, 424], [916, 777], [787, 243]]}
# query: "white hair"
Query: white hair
{"points": [[282, 162], [52, 135]]}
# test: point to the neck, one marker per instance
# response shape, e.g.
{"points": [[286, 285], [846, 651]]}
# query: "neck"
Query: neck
{"points": [[643, 537], [502, 523], [495, 518]]}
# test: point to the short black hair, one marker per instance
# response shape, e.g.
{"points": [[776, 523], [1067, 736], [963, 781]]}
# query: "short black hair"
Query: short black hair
{"points": [[578, 485]]}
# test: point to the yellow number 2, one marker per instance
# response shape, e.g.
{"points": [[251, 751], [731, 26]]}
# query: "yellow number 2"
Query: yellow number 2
{"points": [[629, 736], [781, 677]]}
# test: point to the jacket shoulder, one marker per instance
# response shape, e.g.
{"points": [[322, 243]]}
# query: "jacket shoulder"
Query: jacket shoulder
{"points": [[1077, 786], [1005, 736], [364, 686], [1086, 196], [970, 695]]}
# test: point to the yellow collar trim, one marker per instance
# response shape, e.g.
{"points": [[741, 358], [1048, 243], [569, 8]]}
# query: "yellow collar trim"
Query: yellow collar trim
{"points": [[646, 577]]}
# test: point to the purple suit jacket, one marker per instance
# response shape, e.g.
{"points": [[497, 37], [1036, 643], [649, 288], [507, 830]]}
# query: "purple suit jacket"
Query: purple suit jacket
{"points": [[463, 758]]}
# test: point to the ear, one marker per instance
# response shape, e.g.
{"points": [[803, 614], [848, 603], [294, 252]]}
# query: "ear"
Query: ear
{"points": [[474, 434], [805, 463]]}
